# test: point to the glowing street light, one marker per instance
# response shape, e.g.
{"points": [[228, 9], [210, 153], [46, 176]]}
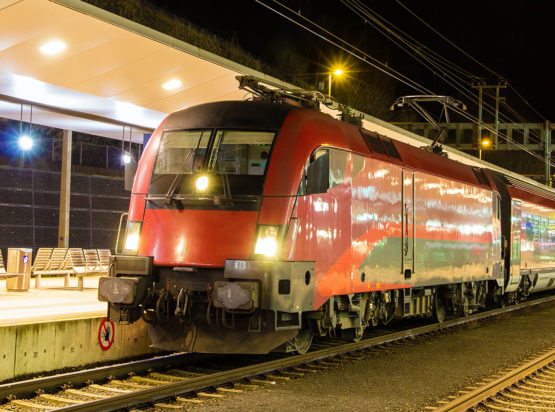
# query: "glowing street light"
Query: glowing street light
{"points": [[126, 158], [25, 143], [337, 73], [484, 144]]}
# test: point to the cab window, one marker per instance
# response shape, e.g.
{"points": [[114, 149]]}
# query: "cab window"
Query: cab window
{"points": [[318, 172], [326, 168]]}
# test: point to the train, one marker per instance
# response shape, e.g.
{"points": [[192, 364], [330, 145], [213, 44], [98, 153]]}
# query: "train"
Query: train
{"points": [[255, 226]]}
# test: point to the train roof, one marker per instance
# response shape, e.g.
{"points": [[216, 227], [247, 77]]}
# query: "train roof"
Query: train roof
{"points": [[230, 114], [520, 189], [262, 115], [401, 135]]}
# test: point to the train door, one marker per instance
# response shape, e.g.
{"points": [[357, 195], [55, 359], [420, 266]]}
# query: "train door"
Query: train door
{"points": [[514, 247], [408, 225]]}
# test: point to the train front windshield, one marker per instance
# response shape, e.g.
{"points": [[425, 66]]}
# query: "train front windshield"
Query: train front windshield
{"points": [[222, 169]]}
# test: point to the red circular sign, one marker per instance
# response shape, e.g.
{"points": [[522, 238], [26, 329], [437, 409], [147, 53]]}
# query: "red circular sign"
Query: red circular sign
{"points": [[106, 333]]}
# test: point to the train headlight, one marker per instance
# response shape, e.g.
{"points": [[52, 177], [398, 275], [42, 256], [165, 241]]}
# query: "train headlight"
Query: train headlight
{"points": [[132, 237], [202, 183], [267, 241]]}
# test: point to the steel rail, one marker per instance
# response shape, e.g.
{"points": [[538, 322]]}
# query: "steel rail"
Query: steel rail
{"points": [[160, 393], [490, 389], [50, 383]]}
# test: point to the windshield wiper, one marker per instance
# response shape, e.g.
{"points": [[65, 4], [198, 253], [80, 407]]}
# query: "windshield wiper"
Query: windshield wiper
{"points": [[176, 182], [225, 185]]}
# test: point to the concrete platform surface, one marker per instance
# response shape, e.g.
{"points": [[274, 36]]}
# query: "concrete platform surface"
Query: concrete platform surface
{"points": [[50, 303]]}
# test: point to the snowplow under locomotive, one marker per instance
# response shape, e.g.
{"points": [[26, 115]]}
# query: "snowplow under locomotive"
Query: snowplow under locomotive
{"points": [[254, 226]]}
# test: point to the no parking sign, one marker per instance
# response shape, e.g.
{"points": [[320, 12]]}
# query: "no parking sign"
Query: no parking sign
{"points": [[106, 333]]}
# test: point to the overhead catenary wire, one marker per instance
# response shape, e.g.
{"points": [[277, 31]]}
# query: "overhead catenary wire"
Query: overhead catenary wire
{"points": [[349, 48], [429, 26], [468, 55], [449, 70], [371, 17], [368, 59], [452, 79], [417, 50]]}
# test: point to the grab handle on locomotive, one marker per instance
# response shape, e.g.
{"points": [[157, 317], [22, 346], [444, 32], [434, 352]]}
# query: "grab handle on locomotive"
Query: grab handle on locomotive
{"points": [[406, 245], [117, 249]]}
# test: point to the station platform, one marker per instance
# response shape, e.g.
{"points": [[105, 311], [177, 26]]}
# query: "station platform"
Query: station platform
{"points": [[50, 303], [55, 328]]}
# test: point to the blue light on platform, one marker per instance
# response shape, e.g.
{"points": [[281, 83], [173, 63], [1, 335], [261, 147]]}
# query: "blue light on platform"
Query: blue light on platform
{"points": [[25, 143]]}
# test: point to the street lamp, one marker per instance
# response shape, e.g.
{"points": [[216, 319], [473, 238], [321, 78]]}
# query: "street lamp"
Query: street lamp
{"points": [[25, 143], [336, 72], [484, 144]]}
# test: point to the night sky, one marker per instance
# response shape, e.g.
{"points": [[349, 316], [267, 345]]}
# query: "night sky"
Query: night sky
{"points": [[512, 38]]}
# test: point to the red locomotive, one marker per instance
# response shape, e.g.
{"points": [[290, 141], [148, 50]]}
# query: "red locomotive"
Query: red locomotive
{"points": [[254, 226]]}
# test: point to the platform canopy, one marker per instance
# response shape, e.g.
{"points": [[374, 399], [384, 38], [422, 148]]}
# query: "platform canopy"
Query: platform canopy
{"points": [[70, 65]]}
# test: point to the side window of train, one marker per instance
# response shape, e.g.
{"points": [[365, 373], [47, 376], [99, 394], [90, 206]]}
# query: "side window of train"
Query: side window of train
{"points": [[317, 179], [338, 167], [496, 206], [357, 164]]}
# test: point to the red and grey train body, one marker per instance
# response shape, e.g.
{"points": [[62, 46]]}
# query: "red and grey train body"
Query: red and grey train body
{"points": [[255, 225]]}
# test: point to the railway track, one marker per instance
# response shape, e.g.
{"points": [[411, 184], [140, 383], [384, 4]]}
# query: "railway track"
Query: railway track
{"points": [[528, 387], [174, 381]]}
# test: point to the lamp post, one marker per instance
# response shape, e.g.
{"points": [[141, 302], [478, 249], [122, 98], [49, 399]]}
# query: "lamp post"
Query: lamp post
{"points": [[484, 143], [337, 72]]}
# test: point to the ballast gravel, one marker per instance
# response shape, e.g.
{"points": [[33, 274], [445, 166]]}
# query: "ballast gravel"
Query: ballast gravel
{"points": [[410, 378]]}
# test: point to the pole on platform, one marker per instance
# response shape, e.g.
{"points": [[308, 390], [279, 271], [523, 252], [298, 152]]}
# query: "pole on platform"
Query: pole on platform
{"points": [[547, 151], [480, 103], [65, 190], [496, 137]]}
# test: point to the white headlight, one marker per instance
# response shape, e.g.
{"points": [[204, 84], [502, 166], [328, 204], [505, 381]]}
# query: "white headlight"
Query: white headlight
{"points": [[267, 242], [132, 237], [132, 241], [202, 183]]}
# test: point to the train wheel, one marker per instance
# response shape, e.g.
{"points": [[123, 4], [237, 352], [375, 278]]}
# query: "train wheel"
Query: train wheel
{"points": [[301, 343], [353, 334], [439, 310], [359, 332]]}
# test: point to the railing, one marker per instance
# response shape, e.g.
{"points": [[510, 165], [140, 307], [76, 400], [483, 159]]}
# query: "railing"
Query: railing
{"points": [[121, 219]]}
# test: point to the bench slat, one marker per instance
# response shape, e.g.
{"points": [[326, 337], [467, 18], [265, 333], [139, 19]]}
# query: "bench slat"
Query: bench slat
{"points": [[2, 267]]}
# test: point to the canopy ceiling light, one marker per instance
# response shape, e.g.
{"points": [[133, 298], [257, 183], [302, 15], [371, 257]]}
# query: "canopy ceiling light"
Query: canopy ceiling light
{"points": [[172, 84], [53, 47]]}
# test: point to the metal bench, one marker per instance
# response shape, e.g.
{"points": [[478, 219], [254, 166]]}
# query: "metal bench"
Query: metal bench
{"points": [[42, 260], [79, 266], [104, 256], [92, 260], [54, 264]]}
